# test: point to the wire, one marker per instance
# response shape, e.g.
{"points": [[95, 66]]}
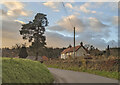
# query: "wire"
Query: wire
{"points": [[67, 14], [71, 25]]}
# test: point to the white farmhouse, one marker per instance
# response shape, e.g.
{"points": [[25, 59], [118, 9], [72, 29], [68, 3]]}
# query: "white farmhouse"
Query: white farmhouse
{"points": [[80, 51]]}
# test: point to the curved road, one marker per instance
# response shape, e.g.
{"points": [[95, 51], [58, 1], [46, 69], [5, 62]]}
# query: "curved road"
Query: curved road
{"points": [[67, 76]]}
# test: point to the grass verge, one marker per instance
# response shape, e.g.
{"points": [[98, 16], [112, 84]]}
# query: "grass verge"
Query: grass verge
{"points": [[24, 71], [97, 72]]}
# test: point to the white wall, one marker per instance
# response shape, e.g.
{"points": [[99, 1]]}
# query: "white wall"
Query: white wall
{"points": [[81, 52], [63, 56]]}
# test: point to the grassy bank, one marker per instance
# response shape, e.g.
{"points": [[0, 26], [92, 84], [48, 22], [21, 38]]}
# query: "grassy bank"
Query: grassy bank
{"points": [[24, 71]]}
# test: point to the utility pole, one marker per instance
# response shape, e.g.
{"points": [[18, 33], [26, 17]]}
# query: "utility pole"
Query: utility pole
{"points": [[74, 42]]}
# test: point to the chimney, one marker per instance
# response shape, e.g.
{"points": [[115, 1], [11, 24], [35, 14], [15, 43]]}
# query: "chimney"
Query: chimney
{"points": [[81, 43]]}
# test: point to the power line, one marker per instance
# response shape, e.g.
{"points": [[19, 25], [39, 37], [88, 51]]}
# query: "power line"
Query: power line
{"points": [[67, 14], [71, 25]]}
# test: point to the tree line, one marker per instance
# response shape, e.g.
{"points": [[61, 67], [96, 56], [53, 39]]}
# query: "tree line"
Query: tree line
{"points": [[15, 51], [33, 31]]}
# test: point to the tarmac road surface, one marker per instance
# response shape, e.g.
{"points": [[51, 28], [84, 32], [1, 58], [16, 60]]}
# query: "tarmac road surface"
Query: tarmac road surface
{"points": [[67, 76]]}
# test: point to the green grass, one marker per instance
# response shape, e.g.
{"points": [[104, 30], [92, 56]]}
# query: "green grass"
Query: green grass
{"points": [[24, 71], [97, 72], [0, 70]]}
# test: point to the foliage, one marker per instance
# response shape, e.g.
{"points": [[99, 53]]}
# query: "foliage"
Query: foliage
{"points": [[108, 68], [6, 52], [47, 51], [53, 52], [24, 71], [108, 74], [23, 53], [34, 31]]}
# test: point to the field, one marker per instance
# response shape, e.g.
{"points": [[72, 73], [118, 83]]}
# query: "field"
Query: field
{"points": [[24, 71], [107, 68]]}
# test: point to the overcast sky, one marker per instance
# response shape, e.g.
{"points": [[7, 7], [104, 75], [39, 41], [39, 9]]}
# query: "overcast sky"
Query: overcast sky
{"points": [[95, 23]]}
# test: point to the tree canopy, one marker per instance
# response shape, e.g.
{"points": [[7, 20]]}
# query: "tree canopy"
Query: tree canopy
{"points": [[34, 31]]}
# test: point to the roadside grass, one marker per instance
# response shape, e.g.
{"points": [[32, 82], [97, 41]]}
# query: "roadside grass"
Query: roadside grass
{"points": [[0, 70], [112, 74], [24, 71]]}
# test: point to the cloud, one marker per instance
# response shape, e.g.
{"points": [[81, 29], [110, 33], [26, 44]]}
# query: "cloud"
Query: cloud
{"points": [[96, 39], [68, 5], [112, 20], [10, 33], [57, 40], [17, 12], [66, 25], [115, 20], [76, 14], [14, 10], [96, 25], [54, 39], [14, 5], [71, 21], [11, 12], [52, 5], [89, 30], [81, 25], [10, 26], [56, 10], [113, 43], [83, 8], [19, 21]]}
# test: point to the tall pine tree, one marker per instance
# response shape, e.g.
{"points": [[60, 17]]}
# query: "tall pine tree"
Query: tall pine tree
{"points": [[34, 32]]}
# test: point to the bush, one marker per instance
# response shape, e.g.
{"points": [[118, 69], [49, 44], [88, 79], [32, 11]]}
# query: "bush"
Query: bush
{"points": [[109, 66], [23, 53]]}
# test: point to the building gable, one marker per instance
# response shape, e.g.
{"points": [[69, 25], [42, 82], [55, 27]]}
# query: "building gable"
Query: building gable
{"points": [[81, 51], [71, 49]]}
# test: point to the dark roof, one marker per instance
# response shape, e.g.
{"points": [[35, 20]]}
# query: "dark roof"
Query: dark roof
{"points": [[71, 49]]}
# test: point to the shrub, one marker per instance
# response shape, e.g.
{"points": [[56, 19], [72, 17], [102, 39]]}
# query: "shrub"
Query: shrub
{"points": [[23, 53]]}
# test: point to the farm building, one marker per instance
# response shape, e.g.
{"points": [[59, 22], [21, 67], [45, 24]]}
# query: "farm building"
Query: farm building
{"points": [[44, 58], [80, 51]]}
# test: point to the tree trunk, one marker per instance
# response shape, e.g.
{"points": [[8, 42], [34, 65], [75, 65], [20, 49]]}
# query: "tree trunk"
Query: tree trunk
{"points": [[37, 45], [36, 56]]}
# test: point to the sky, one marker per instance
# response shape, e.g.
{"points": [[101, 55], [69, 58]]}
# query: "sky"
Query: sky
{"points": [[96, 23]]}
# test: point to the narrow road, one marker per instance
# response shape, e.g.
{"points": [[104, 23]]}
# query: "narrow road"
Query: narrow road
{"points": [[67, 76]]}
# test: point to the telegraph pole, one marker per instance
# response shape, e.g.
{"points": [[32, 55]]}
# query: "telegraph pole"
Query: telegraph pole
{"points": [[74, 42], [71, 25]]}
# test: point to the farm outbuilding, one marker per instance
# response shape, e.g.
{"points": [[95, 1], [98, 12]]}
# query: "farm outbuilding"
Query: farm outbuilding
{"points": [[44, 58]]}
